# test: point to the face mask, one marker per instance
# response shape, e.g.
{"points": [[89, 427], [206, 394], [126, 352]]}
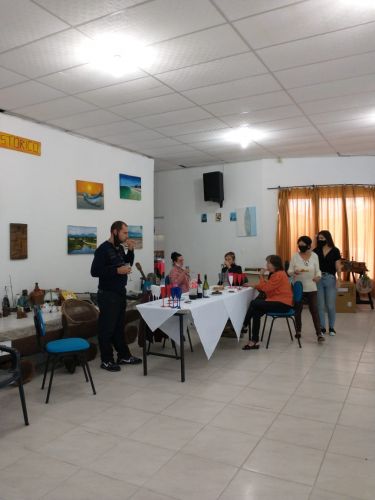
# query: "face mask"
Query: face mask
{"points": [[303, 248], [321, 243]]}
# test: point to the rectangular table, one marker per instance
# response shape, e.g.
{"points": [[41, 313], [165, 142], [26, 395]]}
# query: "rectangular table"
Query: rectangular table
{"points": [[208, 315]]}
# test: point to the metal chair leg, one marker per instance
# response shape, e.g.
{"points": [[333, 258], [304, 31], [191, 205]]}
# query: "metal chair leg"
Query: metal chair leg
{"points": [[23, 401], [45, 371], [90, 377], [191, 345], [264, 327], [295, 328], [290, 331], [54, 361], [82, 362], [270, 332]]}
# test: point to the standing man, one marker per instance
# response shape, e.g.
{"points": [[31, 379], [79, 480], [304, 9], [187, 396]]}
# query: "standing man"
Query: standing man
{"points": [[112, 266]]}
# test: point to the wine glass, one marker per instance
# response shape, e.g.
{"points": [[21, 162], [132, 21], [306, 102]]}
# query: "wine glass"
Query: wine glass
{"points": [[230, 279], [163, 293], [178, 293]]}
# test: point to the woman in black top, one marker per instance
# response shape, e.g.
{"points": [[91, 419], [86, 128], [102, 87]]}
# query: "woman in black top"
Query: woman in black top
{"points": [[330, 264], [229, 266]]}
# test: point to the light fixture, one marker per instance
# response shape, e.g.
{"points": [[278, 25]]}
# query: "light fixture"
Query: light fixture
{"points": [[117, 55], [359, 4], [244, 135]]}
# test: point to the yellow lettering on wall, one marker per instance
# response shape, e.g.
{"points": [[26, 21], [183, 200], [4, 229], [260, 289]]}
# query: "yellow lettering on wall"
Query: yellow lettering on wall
{"points": [[22, 144]]}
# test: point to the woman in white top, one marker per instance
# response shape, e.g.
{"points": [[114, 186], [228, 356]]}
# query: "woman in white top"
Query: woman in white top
{"points": [[304, 267]]}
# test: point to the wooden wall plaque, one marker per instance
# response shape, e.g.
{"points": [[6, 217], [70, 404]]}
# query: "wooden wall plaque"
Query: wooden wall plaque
{"points": [[18, 241]]}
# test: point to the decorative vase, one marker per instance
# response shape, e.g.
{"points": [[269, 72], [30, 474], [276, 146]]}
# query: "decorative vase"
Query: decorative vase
{"points": [[37, 296]]}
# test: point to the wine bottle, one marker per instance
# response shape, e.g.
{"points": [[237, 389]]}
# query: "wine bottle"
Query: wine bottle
{"points": [[206, 287], [200, 287]]}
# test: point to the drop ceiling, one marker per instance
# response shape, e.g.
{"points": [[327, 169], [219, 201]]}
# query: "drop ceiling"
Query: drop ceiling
{"points": [[303, 72]]}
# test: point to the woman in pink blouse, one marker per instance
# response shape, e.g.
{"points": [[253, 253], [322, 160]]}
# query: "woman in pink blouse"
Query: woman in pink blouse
{"points": [[178, 275]]}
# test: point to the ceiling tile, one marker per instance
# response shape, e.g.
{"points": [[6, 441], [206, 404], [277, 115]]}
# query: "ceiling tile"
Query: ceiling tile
{"points": [[153, 22], [134, 138], [203, 136], [152, 106], [195, 126], [84, 78], [199, 47], [249, 104], [344, 116], [57, 108], [101, 131], [334, 89], [340, 103], [253, 85], [135, 90], [49, 55], [221, 70], [327, 71], [325, 47], [76, 12], [283, 124], [235, 9], [151, 147], [173, 117], [25, 94], [22, 22], [80, 120], [263, 115], [8, 78], [302, 20]]}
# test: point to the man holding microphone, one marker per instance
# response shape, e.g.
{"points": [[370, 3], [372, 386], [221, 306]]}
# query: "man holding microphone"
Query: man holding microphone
{"points": [[112, 265]]}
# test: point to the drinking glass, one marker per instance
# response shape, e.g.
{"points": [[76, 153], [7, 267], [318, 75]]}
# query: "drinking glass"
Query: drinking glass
{"points": [[230, 279]]}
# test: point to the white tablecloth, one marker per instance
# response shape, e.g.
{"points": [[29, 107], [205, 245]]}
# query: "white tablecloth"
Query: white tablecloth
{"points": [[209, 316]]}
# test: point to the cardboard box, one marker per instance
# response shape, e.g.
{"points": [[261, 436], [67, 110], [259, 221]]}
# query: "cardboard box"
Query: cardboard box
{"points": [[346, 298]]}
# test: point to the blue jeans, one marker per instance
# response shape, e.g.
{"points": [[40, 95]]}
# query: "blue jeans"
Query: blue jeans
{"points": [[327, 300]]}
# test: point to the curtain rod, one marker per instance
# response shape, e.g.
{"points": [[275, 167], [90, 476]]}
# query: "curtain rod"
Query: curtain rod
{"points": [[318, 185]]}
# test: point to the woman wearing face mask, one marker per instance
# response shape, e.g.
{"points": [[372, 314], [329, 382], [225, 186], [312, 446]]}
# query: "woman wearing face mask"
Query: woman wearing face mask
{"points": [[304, 267], [330, 264], [178, 275]]}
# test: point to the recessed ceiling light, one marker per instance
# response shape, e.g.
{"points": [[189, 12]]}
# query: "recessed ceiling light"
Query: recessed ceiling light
{"points": [[244, 135], [244, 113], [117, 55], [360, 4]]}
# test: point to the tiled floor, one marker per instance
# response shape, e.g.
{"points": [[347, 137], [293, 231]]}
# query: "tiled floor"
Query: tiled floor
{"points": [[286, 423]]}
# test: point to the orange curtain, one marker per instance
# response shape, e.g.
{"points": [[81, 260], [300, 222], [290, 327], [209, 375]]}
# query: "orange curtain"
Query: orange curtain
{"points": [[348, 212]]}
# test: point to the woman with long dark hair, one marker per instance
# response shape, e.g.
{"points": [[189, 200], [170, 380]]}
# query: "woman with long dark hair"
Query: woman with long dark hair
{"points": [[330, 265], [179, 275], [279, 298]]}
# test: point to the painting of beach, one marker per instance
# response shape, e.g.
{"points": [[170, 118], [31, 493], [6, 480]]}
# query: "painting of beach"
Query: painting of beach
{"points": [[136, 234], [90, 195], [130, 187], [81, 240]]}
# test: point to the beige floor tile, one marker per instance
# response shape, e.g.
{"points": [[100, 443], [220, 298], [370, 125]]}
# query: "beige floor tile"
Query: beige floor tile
{"points": [[88, 485], [167, 432], [364, 381], [301, 431], [33, 476], [79, 446], [347, 476], [234, 376], [362, 397], [318, 494], [10, 452], [215, 391], [330, 376], [223, 445], [116, 392], [361, 417], [194, 409], [240, 418], [313, 408], [252, 486], [132, 461], [284, 385], [353, 442], [258, 398], [323, 390], [119, 420], [207, 479], [150, 400], [145, 494], [285, 461], [76, 411]]}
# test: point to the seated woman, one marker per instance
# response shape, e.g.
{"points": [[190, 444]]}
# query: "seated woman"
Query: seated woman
{"points": [[304, 267], [229, 266], [279, 298], [178, 275]]}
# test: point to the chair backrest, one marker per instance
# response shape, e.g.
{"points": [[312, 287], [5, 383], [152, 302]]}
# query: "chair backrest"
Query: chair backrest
{"points": [[297, 292], [40, 325], [78, 311]]}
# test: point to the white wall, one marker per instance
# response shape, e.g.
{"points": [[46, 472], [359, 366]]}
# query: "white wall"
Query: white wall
{"points": [[40, 191], [179, 199]]}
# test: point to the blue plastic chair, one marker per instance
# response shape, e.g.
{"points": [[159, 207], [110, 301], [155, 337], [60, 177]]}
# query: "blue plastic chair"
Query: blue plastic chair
{"points": [[297, 298], [58, 349]]}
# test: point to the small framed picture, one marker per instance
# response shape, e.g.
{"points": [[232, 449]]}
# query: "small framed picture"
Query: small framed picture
{"points": [[218, 217], [233, 216], [203, 217]]}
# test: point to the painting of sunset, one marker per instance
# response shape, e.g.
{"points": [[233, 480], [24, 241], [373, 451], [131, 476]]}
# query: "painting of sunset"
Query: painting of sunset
{"points": [[90, 195], [130, 187]]}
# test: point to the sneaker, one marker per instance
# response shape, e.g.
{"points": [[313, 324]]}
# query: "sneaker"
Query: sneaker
{"points": [[132, 360], [110, 366], [321, 338], [332, 332], [323, 331]]}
